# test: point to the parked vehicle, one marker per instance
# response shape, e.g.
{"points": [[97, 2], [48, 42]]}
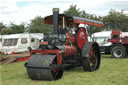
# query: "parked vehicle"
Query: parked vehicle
{"points": [[101, 38], [119, 40], [15, 43], [64, 49], [0, 42]]}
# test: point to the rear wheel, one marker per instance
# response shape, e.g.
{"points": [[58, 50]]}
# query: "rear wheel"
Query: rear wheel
{"points": [[91, 57], [118, 51]]}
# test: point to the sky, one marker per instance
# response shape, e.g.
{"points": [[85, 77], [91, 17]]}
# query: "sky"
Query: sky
{"points": [[19, 11]]}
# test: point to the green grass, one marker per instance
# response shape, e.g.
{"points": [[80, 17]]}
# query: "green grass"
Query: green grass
{"points": [[111, 72]]}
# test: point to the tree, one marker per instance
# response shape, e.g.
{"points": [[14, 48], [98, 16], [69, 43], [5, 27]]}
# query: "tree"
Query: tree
{"points": [[37, 26], [17, 28], [116, 20], [2, 27], [92, 29], [14, 28], [73, 11]]}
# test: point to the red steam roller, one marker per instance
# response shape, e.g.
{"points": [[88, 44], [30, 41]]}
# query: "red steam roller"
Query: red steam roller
{"points": [[66, 48]]}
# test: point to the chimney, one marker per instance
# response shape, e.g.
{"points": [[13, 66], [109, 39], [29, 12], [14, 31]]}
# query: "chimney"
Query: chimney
{"points": [[55, 20]]}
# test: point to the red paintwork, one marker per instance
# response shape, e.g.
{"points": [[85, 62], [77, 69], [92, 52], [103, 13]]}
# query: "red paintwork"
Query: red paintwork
{"points": [[89, 23], [119, 40], [81, 37], [23, 59], [72, 38], [13, 53], [2, 53], [116, 32], [125, 40], [69, 45], [44, 43], [70, 19], [70, 50], [69, 38], [57, 52], [91, 57]]}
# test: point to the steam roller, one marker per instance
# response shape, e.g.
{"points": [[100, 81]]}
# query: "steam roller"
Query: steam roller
{"points": [[66, 48]]}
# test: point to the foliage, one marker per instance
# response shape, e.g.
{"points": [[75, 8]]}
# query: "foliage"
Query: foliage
{"points": [[116, 20], [2, 27], [14, 28], [73, 11], [37, 26]]}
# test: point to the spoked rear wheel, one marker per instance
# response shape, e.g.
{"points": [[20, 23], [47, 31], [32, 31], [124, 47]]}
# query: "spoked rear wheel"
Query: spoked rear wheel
{"points": [[91, 56]]}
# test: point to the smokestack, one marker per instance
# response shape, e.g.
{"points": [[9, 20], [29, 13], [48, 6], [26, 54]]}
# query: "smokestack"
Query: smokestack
{"points": [[55, 20]]}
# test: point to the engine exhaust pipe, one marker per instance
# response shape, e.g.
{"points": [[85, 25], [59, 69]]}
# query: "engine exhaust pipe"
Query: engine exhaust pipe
{"points": [[55, 20]]}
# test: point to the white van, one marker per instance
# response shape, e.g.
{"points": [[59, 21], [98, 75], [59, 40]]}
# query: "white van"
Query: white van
{"points": [[102, 39], [15, 43]]}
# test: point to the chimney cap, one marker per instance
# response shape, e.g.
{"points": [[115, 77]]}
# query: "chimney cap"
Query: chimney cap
{"points": [[55, 9]]}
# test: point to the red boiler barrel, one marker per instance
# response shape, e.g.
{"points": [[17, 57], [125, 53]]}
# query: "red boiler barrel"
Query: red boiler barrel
{"points": [[70, 50]]}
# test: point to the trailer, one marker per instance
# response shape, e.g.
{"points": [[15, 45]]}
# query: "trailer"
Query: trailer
{"points": [[9, 59], [64, 49], [119, 40], [16, 43], [1, 41]]}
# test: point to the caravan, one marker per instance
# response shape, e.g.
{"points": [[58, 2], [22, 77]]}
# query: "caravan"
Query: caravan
{"points": [[15, 43], [0, 42]]}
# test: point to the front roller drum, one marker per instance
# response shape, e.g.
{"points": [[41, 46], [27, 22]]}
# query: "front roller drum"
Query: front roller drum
{"points": [[39, 67], [91, 56]]}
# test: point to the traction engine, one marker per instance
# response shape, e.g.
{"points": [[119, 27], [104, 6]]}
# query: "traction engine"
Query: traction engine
{"points": [[66, 48]]}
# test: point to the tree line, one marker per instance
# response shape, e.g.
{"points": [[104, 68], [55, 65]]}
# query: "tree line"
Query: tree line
{"points": [[114, 20]]}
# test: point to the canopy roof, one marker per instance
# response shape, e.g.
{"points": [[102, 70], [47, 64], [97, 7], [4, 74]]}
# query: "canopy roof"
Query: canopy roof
{"points": [[72, 19]]}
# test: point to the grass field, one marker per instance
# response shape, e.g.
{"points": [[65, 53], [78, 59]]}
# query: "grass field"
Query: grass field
{"points": [[111, 72]]}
